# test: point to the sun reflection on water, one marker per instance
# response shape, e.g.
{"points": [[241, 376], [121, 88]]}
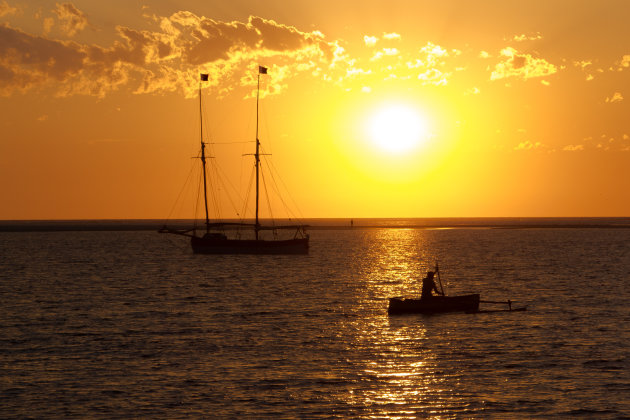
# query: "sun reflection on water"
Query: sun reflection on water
{"points": [[395, 371], [395, 261], [399, 377]]}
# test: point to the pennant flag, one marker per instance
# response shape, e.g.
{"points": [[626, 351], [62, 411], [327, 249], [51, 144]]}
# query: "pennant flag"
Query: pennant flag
{"points": [[262, 70], [204, 77]]}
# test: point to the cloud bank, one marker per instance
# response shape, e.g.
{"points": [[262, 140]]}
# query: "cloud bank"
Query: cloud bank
{"points": [[169, 56], [165, 60]]}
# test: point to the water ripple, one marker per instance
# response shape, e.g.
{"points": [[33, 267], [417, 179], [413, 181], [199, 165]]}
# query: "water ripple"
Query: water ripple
{"points": [[122, 324]]}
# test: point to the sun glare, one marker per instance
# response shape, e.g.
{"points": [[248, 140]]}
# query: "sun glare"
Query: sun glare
{"points": [[397, 128]]}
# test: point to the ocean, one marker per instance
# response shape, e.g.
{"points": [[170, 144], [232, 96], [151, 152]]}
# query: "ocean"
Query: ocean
{"points": [[127, 323]]}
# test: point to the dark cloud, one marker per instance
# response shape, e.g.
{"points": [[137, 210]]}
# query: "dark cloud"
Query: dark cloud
{"points": [[211, 40], [276, 37], [27, 60], [163, 60]]}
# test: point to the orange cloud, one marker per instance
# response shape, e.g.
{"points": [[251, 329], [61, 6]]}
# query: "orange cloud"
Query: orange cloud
{"points": [[370, 41], [524, 37], [528, 145], [523, 66], [6, 10], [27, 61], [624, 63], [392, 36], [72, 20], [431, 64], [434, 54], [582, 64], [573, 148], [163, 60], [384, 52], [617, 97]]}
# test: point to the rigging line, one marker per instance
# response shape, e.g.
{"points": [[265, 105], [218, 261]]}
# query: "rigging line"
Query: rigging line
{"points": [[246, 203], [216, 184], [290, 213], [225, 180], [273, 171], [242, 171], [264, 182], [266, 126], [214, 191], [249, 190], [274, 186], [295, 209], [211, 179], [222, 180], [179, 195], [232, 142], [196, 208]]}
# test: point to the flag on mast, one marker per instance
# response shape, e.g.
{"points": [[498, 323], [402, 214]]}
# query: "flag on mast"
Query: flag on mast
{"points": [[204, 77], [262, 70]]}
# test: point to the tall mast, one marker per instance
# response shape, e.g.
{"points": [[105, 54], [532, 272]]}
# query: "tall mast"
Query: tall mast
{"points": [[257, 156], [204, 77], [261, 70]]}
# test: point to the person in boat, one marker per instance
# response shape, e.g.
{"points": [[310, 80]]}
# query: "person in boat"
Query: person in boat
{"points": [[428, 286]]}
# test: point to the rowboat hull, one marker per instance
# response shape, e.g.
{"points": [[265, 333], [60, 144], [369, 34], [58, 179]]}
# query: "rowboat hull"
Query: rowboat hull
{"points": [[434, 305], [249, 246]]}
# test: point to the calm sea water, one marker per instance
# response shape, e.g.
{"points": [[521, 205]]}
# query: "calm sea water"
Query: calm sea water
{"points": [[132, 324]]}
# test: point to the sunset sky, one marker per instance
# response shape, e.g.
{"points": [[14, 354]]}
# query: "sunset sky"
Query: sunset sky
{"points": [[369, 108]]}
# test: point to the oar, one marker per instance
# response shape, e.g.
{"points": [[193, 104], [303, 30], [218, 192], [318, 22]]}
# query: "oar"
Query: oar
{"points": [[437, 270], [508, 302]]}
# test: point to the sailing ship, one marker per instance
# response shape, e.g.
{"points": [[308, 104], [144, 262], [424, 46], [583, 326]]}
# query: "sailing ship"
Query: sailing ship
{"points": [[215, 240]]}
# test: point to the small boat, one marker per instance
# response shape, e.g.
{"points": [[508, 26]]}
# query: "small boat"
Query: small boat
{"points": [[442, 304], [434, 305], [215, 239]]}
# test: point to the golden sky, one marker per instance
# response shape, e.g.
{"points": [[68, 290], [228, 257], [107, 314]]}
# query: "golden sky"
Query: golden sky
{"points": [[369, 108]]}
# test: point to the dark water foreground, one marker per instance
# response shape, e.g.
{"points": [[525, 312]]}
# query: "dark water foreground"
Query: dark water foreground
{"points": [[130, 324]]}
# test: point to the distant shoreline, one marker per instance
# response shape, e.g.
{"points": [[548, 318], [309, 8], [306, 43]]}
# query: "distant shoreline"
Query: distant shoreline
{"points": [[330, 224]]}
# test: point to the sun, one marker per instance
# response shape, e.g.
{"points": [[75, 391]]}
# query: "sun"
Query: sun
{"points": [[397, 128]]}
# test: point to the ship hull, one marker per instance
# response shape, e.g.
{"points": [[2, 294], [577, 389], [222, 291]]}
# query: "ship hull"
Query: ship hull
{"points": [[434, 305], [249, 246]]}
